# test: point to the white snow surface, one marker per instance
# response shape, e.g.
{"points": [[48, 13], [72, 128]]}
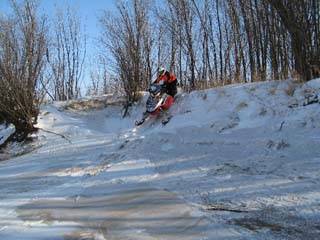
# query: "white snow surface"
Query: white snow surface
{"points": [[235, 162], [5, 132]]}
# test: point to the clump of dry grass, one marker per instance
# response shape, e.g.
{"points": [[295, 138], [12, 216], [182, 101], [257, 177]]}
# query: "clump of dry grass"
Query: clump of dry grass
{"points": [[241, 106], [87, 105], [291, 88], [95, 104]]}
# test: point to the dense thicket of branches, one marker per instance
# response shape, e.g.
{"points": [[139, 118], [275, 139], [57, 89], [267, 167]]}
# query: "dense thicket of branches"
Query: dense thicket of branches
{"points": [[23, 46], [302, 21], [217, 42]]}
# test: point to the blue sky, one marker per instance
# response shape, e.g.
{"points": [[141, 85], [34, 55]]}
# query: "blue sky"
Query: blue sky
{"points": [[89, 10]]}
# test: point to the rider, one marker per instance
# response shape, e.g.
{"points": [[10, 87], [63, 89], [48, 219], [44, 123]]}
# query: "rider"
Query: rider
{"points": [[169, 83], [169, 80]]}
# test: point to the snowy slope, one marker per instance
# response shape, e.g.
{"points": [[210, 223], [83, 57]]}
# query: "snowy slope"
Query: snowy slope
{"points": [[236, 162], [5, 132]]}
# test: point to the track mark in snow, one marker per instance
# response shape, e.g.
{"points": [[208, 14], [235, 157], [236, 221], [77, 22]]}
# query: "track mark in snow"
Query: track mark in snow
{"points": [[283, 224]]}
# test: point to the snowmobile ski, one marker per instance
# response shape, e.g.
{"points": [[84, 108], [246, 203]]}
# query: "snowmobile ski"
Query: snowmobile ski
{"points": [[166, 120], [142, 120]]}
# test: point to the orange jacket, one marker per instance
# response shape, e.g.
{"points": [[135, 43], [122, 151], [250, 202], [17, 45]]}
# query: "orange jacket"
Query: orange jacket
{"points": [[167, 78]]}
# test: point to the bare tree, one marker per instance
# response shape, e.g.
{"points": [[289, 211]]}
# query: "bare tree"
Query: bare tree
{"points": [[203, 15], [128, 39], [168, 36], [67, 54], [301, 19], [23, 46], [99, 84], [180, 35]]}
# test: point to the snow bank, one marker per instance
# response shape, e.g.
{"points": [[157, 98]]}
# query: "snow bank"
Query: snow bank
{"points": [[234, 162], [5, 132]]}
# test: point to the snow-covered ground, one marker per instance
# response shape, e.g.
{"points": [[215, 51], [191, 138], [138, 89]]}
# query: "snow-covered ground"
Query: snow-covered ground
{"points": [[236, 162], [5, 131]]}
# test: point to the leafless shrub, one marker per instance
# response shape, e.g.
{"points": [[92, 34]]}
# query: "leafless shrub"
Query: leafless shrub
{"points": [[23, 44]]}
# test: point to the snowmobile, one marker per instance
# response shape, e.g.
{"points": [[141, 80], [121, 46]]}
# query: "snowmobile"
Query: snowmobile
{"points": [[158, 101]]}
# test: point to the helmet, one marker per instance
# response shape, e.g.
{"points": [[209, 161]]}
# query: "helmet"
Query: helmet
{"points": [[162, 71]]}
